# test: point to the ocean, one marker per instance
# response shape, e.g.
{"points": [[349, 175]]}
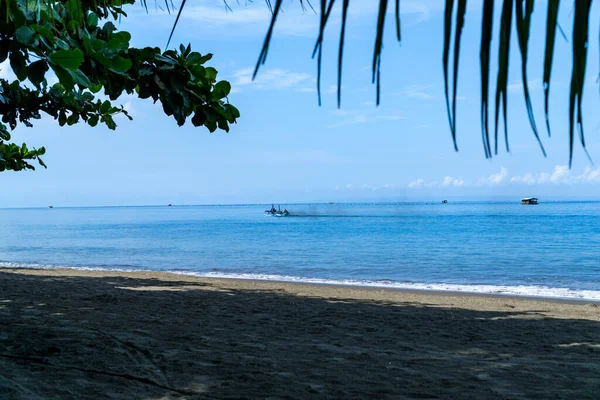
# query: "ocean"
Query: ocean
{"points": [[548, 250]]}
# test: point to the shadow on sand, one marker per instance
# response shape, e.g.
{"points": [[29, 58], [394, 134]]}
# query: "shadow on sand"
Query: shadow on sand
{"points": [[116, 337]]}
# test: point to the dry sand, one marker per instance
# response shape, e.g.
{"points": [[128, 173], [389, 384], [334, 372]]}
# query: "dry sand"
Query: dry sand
{"points": [[68, 334]]}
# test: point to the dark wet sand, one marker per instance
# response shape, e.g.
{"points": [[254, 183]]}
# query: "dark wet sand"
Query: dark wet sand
{"points": [[68, 334]]}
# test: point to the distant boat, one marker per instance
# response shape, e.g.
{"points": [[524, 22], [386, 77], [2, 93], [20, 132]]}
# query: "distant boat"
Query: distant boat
{"points": [[273, 212], [169, 205], [50, 206], [529, 200], [331, 202], [444, 201]]}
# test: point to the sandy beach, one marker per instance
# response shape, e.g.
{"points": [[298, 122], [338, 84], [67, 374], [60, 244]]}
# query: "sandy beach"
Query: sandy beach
{"points": [[70, 334]]}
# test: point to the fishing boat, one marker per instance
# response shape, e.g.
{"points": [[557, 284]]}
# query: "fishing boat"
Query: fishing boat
{"points": [[273, 212], [529, 201]]}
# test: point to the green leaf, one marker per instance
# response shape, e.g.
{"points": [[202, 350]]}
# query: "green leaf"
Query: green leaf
{"points": [[72, 119], [222, 89], [122, 36], [64, 77], [199, 118], [17, 63], [70, 59], [92, 20], [121, 64], [211, 74], [79, 77], [95, 88], [25, 35], [197, 58], [44, 32], [74, 11], [105, 107], [62, 44], [93, 120], [36, 71]]}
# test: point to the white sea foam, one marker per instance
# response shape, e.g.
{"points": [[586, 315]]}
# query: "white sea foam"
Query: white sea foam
{"points": [[519, 290]]}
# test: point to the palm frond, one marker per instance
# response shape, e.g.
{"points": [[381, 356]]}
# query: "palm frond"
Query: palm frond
{"points": [[487, 21], [378, 47], [323, 23], [580, 43], [551, 23], [345, 5], [445, 60], [502, 79], [523, 23], [265, 49], [452, 34]]}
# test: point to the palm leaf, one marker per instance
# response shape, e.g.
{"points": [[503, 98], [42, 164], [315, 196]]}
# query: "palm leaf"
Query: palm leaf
{"points": [[460, 21], [580, 43], [325, 12], [398, 33], [551, 23], [345, 5], [265, 49], [523, 25], [502, 79], [378, 47], [524, 10], [445, 59], [484, 57], [324, 18]]}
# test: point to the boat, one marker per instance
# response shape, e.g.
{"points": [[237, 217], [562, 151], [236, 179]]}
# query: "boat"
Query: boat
{"points": [[50, 206], [444, 201], [331, 202], [273, 212], [529, 200], [169, 205]]}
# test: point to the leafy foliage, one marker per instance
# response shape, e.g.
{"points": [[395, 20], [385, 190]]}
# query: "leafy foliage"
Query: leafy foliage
{"points": [[88, 58], [519, 11]]}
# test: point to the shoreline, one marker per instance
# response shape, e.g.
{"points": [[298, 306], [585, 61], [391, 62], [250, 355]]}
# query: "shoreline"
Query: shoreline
{"points": [[281, 284], [99, 271]]}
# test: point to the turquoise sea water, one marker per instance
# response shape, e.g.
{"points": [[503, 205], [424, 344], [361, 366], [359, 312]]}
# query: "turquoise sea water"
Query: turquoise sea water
{"points": [[551, 250]]}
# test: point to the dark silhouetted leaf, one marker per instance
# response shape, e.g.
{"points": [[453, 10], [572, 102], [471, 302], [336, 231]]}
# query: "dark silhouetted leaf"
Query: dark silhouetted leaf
{"points": [[502, 80], [484, 59], [523, 22], [551, 23]]}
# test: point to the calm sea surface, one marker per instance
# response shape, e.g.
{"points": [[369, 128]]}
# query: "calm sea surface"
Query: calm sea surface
{"points": [[552, 249]]}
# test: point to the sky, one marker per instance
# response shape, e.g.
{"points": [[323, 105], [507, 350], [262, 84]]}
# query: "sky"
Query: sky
{"points": [[285, 148]]}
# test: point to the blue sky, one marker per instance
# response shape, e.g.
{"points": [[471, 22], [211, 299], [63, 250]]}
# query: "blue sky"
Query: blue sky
{"points": [[285, 148]]}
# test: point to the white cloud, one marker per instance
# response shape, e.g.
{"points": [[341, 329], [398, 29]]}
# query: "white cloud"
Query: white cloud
{"points": [[269, 79], [494, 179], [352, 117], [422, 92], [451, 181], [416, 184], [448, 181], [560, 175], [527, 179], [246, 17], [332, 89]]}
